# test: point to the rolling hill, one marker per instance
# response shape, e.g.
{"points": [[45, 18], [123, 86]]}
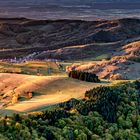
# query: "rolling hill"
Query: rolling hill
{"points": [[62, 2], [124, 64], [22, 93], [64, 39]]}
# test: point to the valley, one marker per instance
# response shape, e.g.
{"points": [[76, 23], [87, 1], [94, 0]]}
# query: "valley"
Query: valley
{"points": [[69, 79], [37, 55]]}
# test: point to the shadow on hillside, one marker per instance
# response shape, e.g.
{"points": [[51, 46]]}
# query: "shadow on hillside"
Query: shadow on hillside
{"points": [[4, 112]]}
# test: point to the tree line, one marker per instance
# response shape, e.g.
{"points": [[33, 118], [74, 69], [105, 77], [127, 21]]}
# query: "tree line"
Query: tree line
{"points": [[84, 76]]}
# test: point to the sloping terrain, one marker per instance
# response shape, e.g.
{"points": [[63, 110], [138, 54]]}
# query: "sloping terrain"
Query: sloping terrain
{"points": [[125, 64], [14, 87], [106, 113], [64, 39], [32, 92]]}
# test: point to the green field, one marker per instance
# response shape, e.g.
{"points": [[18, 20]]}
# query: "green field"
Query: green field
{"points": [[41, 68]]}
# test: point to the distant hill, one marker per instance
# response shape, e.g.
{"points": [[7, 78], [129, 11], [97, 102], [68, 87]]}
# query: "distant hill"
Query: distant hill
{"points": [[117, 1], [62, 2], [64, 39]]}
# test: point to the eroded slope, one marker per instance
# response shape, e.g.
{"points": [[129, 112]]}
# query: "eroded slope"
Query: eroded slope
{"points": [[64, 39]]}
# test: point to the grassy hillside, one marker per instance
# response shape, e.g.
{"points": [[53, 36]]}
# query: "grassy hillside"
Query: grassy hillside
{"points": [[32, 85], [124, 64], [69, 109], [110, 113], [64, 39]]}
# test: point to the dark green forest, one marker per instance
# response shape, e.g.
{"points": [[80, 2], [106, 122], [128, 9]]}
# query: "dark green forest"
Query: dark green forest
{"points": [[84, 76], [106, 113]]}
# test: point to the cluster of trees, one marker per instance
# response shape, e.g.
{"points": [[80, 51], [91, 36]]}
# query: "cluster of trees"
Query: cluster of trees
{"points": [[110, 113], [84, 76]]}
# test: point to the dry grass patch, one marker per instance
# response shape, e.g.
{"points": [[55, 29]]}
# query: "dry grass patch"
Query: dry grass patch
{"points": [[50, 90]]}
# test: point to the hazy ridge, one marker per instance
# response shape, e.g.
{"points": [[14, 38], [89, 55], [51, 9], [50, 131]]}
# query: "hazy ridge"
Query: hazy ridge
{"points": [[64, 9]]}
